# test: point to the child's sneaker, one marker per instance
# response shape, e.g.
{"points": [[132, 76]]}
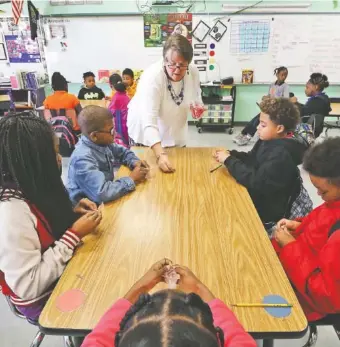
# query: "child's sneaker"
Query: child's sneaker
{"points": [[238, 137], [244, 140]]}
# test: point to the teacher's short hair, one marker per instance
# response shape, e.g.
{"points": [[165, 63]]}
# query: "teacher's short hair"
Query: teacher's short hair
{"points": [[179, 44]]}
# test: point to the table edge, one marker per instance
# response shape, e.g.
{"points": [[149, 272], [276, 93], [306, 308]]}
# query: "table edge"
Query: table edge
{"points": [[256, 335]]}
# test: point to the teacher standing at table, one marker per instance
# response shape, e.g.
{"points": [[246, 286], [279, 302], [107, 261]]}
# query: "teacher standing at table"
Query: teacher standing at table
{"points": [[158, 113]]}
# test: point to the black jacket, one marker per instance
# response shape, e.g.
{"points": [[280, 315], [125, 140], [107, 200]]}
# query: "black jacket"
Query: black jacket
{"points": [[269, 172], [316, 105], [94, 93]]}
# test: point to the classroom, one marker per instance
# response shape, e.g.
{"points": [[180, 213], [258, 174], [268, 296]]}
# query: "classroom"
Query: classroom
{"points": [[169, 173]]}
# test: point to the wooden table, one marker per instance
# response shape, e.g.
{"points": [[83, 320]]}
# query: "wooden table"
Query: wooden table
{"points": [[102, 103], [335, 109], [196, 218]]}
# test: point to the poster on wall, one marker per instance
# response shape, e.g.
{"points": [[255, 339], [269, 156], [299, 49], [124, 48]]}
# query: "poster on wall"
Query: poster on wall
{"points": [[21, 49], [157, 28]]}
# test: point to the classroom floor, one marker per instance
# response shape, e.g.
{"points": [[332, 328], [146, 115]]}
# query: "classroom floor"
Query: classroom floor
{"points": [[16, 332]]}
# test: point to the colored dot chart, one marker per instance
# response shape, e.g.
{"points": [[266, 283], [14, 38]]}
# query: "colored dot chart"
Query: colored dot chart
{"points": [[212, 60]]}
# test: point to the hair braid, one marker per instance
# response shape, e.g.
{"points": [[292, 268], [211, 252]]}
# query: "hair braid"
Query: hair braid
{"points": [[29, 170]]}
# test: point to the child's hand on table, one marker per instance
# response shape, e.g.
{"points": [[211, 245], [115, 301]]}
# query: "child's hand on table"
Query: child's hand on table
{"points": [[87, 223], [189, 283], [142, 163], [152, 277], [84, 206], [221, 155], [139, 173], [283, 236], [291, 225]]}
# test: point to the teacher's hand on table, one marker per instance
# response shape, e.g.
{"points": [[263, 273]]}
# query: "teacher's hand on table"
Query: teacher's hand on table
{"points": [[164, 164], [139, 173], [189, 283], [151, 278], [87, 223]]}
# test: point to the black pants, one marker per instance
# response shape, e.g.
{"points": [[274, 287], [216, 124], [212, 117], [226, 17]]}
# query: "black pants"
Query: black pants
{"points": [[251, 127]]}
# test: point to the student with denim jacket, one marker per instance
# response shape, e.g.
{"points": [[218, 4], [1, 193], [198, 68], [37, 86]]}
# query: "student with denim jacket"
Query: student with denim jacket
{"points": [[91, 170]]}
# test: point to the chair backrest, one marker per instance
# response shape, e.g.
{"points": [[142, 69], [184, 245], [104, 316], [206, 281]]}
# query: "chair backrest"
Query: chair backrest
{"points": [[316, 120], [70, 113], [334, 100]]}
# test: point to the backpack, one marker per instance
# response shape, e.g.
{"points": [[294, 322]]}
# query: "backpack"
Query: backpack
{"points": [[62, 127], [304, 134]]}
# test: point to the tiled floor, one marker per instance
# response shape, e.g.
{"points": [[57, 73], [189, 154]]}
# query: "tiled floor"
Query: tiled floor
{"points": [[15, 332]]}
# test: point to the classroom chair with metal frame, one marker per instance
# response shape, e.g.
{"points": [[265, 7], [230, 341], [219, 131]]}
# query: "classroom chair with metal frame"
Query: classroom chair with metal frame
{"points": [[316, 121], [336, 124], [330, 320], [39, 337]]}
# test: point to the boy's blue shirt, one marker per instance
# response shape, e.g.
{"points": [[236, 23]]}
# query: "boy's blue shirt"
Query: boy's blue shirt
{"points": [[91, 172]]}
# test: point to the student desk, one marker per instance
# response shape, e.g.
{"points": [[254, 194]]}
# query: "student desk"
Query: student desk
{"points": [[102, 103], [335, 109], [335, 113], [203, 220]]}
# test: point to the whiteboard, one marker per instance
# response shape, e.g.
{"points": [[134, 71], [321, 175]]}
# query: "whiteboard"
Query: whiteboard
{"points": [[303, 43], [99, 43]]}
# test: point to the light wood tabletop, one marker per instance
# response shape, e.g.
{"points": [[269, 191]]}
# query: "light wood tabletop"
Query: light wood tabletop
{"points": [[101, 103], [335, 109], [203, 220]]}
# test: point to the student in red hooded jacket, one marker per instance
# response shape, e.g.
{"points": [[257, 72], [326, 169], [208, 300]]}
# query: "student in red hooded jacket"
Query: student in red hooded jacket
{"points": [[309, 248]]}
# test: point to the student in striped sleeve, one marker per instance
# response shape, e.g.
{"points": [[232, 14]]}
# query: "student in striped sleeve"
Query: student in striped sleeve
{"points": [[39, 228]]}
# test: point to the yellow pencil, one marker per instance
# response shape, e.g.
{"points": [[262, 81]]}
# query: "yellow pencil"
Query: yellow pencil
{"points": [[216, 168], [262, 305]]}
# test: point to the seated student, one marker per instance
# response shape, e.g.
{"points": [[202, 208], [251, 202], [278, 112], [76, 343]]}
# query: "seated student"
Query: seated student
{"points": [[269, 171], [91, 170], [169, 317], [119, 109], [308, 248], [129, 81], [90, 91], [318, 102], [61, 99], [39, 228], [278, 89]]}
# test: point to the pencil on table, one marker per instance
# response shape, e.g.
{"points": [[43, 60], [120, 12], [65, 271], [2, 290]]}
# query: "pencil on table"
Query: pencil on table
{"points": [[262, 305], [216, 168]]}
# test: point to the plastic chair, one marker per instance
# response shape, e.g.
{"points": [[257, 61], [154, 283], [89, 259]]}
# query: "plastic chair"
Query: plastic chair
{"points": [[39, 337], [68, 113]]}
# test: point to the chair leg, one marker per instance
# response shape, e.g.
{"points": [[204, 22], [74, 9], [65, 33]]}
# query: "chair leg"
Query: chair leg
{"points": [[73, 341], [268, 343], [313, 336], [38, 339], [337, 330]]}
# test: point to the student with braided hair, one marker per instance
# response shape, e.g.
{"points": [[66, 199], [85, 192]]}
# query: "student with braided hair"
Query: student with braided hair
{"points": [[39, 228], [192, 318], [317, 105]]}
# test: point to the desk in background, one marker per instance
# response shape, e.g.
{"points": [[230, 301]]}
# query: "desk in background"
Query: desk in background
{"points": [[203, 220], [335, 113]]}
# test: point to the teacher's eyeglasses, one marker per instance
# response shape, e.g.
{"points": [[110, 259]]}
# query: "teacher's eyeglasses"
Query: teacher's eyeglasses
{"points": [[174, 67]]}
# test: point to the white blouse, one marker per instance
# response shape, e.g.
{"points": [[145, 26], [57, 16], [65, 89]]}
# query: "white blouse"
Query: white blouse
{"points": [[154, 116]]}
